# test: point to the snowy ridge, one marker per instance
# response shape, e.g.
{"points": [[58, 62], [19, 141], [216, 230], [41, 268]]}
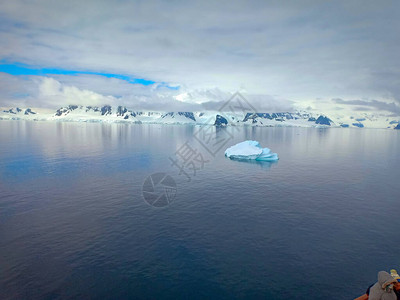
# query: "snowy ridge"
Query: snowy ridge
{"points": [[109, 114]]}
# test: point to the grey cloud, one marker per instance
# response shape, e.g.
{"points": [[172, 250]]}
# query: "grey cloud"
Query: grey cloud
{"points": [[17, 90], [367, 105], [359, 108]]}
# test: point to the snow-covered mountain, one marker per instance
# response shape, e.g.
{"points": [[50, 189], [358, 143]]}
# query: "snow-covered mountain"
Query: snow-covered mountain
{"points": [[107, 113]]}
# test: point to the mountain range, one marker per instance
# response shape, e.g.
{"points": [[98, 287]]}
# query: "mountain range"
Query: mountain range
{"points": [[111, 114]]}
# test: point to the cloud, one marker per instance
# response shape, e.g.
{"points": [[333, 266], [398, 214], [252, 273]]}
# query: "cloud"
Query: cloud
{"points": [[298, 50], [38, 91], [53, 92], [363, 109], [369, 105], [16, 90], [62, 90]]}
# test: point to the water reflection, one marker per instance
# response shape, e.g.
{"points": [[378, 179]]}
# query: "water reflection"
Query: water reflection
{"points": [[34, 149], [266, 165]]}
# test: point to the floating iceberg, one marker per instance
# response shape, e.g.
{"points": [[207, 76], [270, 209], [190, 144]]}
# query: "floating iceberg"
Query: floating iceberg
{"points": [[250, 150]]}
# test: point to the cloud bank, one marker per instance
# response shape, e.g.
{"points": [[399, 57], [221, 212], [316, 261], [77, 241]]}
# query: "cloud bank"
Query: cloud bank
{"points": [[48, 92], [296, 50], [369, 105]]}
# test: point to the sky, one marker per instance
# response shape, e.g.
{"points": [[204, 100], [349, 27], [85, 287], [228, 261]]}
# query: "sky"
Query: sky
{"points": [[187, 55]]}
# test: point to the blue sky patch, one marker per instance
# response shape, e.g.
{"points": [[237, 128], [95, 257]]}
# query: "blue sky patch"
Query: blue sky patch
{"points": [[22, 69]]}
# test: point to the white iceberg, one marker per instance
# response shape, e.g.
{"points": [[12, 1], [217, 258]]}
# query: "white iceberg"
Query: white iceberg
{"points": [[250, 150]]}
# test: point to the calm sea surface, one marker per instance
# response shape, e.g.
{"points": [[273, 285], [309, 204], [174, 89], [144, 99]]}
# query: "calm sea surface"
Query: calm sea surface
{"points": [[318, 224]]}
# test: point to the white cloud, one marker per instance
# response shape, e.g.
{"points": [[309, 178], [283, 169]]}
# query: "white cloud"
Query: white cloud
{"points": [[52, 91]]}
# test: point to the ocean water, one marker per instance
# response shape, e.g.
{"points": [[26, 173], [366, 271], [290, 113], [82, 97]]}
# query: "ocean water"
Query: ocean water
{"points": [[318, 224]]}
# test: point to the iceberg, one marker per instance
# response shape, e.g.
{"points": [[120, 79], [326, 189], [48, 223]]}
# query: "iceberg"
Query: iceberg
{"points": [[250, 150]]}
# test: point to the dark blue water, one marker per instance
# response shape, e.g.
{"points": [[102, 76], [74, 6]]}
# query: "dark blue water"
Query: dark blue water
{"points": [[319, 224]]}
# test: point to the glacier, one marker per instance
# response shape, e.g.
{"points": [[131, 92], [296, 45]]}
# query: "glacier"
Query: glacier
{"points": [[250, 150]]}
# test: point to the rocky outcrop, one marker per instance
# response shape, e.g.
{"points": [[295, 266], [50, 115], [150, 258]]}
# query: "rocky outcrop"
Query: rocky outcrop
{"points": [[28, 111], [220, 121], [121, 111], [322, 120], [106, 110]]}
